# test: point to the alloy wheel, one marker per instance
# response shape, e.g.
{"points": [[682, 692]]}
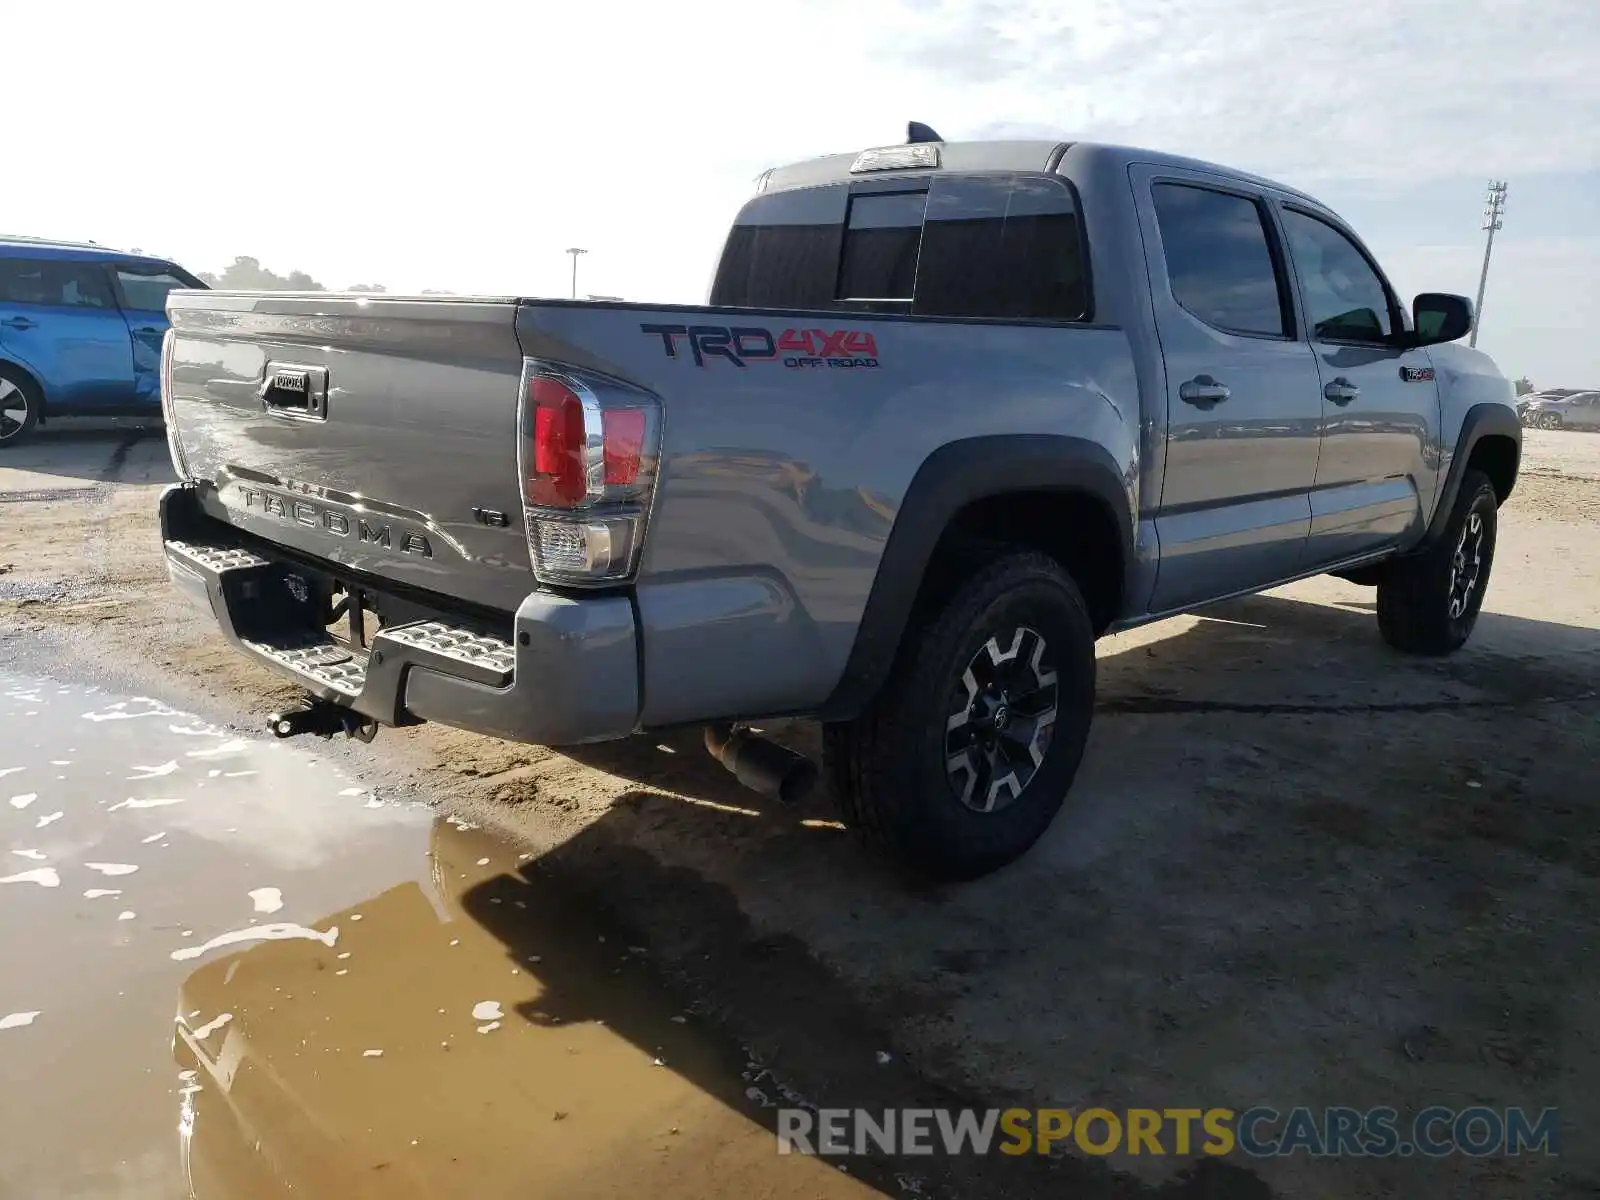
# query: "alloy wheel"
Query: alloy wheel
{"points": [[13, 409], [1466, 566], [1002, 714]]}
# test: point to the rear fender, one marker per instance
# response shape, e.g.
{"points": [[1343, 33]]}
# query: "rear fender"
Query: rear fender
{"points": [[953, 477]]}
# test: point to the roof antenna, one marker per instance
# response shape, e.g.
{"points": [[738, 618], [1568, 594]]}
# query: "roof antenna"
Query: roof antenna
{"points": [[916, 131]]}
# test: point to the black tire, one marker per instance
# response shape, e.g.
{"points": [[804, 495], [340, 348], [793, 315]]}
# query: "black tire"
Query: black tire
{"points": [[890, 768], [17, 389], [1418, 598], [1550, 421]]}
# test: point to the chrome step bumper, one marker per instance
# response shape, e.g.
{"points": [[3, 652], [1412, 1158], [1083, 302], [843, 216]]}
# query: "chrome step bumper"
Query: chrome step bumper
{"points": [[496, 659], [335, 671], [325, 663], [321, 662], [568, 675]]}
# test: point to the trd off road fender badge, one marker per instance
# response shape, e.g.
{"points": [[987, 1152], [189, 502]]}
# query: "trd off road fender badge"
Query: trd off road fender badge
{"points": [[830, 349]]}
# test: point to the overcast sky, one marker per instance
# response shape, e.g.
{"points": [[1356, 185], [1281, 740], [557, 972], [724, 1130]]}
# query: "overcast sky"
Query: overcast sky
{"points": [[465, 145]]}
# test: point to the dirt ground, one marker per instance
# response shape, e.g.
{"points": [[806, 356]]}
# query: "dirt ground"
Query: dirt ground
{"points": [[1296, 869]]}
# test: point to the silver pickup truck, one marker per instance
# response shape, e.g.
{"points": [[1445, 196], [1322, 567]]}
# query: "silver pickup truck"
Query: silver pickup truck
{"points": [[954, 411]]}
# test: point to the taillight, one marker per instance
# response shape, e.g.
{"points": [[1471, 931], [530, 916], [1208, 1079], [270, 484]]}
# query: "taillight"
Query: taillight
{"points": [[587, 452], [623, 437], [169, 410], [560, 444]]}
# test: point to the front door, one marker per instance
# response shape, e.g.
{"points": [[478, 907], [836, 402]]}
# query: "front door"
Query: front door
{"points": [[1380, 403], [1243, 406]]}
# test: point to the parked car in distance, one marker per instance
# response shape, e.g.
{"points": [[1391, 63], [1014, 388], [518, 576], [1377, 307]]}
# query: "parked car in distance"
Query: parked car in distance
{"points": [[80, 331], [1524, 403], [1562, 409]]}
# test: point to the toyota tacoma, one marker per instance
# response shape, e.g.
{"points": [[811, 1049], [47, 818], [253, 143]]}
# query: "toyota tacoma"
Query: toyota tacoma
{"points": [[953, 412]]}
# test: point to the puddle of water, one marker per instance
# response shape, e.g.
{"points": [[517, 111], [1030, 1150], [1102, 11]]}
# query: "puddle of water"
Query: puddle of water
{"points": [[298, 990]]}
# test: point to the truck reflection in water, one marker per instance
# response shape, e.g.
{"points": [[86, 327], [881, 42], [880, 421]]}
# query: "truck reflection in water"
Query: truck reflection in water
{"points": [[478, 1036]]}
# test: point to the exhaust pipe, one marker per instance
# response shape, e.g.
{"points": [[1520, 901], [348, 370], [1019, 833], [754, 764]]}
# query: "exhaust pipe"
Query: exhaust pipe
{"points": [[763, 766]]}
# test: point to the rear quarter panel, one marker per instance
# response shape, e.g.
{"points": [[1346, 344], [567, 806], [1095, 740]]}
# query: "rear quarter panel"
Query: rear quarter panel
{"points": [[780, 484]]}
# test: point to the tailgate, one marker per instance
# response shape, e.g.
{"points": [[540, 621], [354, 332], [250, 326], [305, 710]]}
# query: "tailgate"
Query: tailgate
{"points": [[379, 434]]}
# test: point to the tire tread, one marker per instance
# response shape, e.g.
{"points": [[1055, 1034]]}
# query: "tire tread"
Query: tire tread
{"points": [[859, 755], [1409, 614]]}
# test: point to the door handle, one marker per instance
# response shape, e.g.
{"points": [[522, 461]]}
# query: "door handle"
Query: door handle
{"points": [[1203, 392], [1341, 391], [19, 323], [150, 329], [295, 391]]}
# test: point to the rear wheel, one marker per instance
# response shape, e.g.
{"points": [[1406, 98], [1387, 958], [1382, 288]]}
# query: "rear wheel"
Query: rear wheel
{"points": [[1429, 604], [1550, 421], [965, 756], [19, 407]]}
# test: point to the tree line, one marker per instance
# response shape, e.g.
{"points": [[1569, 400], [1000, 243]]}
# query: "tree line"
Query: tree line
{"points": [[246, 274]]}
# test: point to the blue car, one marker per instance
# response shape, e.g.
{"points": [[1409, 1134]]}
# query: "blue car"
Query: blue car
{"points": [[80, 332]]}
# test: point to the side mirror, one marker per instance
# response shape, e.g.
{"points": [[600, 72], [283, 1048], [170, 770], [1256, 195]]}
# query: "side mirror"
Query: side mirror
{"points": [[1440, 317]]}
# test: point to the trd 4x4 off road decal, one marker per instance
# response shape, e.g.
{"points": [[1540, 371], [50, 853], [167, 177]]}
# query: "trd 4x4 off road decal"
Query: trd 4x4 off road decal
{"points": [[835, 349]]}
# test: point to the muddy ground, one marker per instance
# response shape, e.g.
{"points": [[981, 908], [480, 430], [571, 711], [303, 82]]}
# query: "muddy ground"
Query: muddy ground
{"points": [[1296, 868]]}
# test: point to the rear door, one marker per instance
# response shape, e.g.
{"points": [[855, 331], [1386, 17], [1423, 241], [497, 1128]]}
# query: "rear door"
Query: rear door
{"points": [[142, 291], [59, 320], [1242, 407], [1380, 402]]}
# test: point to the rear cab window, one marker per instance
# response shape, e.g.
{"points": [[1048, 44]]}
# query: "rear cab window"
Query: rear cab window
{"points": [[882, 243], [1005, 246]]}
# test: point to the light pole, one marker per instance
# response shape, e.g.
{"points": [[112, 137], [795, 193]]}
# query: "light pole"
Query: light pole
{"points": [[1493, 216], [575, 251]]}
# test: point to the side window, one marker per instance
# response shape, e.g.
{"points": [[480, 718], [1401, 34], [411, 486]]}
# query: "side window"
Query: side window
{"points": [[783, 251], [1005, 247], [147, 292], [1344, 297], [84, 285], [53, 283], [882, 238], [1219, 259], [21, 282]]}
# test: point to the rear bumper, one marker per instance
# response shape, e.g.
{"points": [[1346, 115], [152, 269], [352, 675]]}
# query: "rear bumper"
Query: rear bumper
{"points": [[568, 674]]}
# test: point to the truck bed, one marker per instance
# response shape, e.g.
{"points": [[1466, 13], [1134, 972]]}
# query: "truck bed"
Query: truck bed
{"points": [[788, 443]]}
